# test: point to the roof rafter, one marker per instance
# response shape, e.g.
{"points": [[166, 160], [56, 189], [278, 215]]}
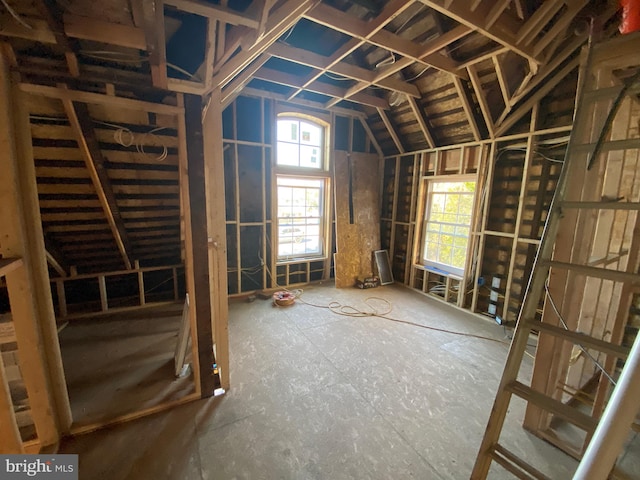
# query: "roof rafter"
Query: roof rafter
{"points": [[278, 22], [84, 132], [294, 81], [424, 127], [313, 60], [372, 32], [391, 130], [499, 31]]}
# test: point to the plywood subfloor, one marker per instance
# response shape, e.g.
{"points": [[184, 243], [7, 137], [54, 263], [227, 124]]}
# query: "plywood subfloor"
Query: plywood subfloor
{"points": [[122, 363], [315, 395]]}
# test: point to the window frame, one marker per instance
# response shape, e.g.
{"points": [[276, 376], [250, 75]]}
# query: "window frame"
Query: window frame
{"points": [[304, 173], [439, 266]]}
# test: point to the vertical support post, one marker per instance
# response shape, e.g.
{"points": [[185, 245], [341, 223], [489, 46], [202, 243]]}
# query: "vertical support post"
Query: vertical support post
{"points": [[199, 243], [615, 424], [141, 282], [62, 298], [104, 301], [28, 286], [217, 232], [175, 283]]}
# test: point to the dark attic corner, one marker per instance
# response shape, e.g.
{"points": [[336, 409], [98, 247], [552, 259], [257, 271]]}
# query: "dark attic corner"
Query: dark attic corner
{"points": [[320, 239]]}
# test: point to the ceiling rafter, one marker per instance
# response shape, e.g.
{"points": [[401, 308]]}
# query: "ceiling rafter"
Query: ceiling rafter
{"points": [[372, 32], [389, 12], [52, 14], [314, 60], [233, 89], [391, 130], [500, 31], [550, 83], [82, 125], [294, 81], [482, 99], [216, 12], [279, 22], [434, 45], [424, 127], [153, 12]]}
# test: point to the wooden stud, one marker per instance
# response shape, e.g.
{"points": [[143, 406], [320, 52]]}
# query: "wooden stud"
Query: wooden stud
{"points": [[466, 106], [499, 31], [153, 11], [424, 128], [482, 99], [29, 293], [391, 130], [214, 170], [104, 301], [62, 299], [279, 22], [200, 295], [82, 125]]}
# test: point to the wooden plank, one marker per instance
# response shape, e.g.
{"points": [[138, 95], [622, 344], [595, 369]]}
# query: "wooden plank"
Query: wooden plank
{"points": [[313, 60], [9, 264], [540, 18], [30, 299], [104, 301], [215, 12], [279, 22], [155, 36], [499, 31], [596, 272], [482, 99], [424, 128], [323, 88], [96, 30], [466, 106], [78, 114], [578, 338], [100, 99], [234, 87], [216, 221], [200, 248], [498, 7], [392, 131], [52, 13], [521, 111], [560, 26]]}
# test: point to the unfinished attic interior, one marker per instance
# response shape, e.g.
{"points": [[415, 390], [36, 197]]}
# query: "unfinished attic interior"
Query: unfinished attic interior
{"points": [[193, 190]]}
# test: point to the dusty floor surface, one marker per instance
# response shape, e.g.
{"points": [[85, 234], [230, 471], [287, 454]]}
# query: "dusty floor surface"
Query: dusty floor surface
{"points": [[316, 395]]}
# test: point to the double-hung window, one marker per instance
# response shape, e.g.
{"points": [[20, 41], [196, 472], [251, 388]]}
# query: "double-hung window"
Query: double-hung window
{"points": [[302, 183], [447, 225]]}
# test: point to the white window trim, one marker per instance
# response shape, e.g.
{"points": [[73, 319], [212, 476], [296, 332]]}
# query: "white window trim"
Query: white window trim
{"points": [[322, 172], [431, 264]]}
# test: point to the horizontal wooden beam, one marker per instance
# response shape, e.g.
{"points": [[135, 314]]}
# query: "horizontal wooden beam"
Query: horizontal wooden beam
{"points": [[294, 81], [366, 31], [96, 30], [278, 22], [499, 31], [314, 60], [100, 99], [216, 12]]}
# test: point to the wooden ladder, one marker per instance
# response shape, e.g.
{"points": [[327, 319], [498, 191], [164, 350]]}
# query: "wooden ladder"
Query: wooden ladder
{"points": [[580, 222]]}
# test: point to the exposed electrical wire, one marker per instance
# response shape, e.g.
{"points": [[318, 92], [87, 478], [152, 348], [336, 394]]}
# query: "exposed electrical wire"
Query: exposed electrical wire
{"points": [[122, 57], [17, 17], [126, 138], [584, 350]]}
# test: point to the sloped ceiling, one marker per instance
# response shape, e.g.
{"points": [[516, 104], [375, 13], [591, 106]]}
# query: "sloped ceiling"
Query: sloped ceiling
{"points": [[424, 72]]}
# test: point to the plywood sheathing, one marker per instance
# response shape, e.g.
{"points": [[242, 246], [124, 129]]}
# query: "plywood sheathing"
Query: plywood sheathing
{"points": [[356, 237]]}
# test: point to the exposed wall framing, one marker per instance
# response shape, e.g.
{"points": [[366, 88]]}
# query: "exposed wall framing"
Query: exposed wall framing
{"points": [[516, 178], [249, 147]]}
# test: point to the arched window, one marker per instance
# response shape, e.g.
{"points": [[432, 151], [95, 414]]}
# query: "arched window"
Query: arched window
{"points": [[302, 184]]}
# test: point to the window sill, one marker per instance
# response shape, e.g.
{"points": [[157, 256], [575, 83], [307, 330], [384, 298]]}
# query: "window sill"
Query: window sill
{"points": [[438, 271], [290, 261]]}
